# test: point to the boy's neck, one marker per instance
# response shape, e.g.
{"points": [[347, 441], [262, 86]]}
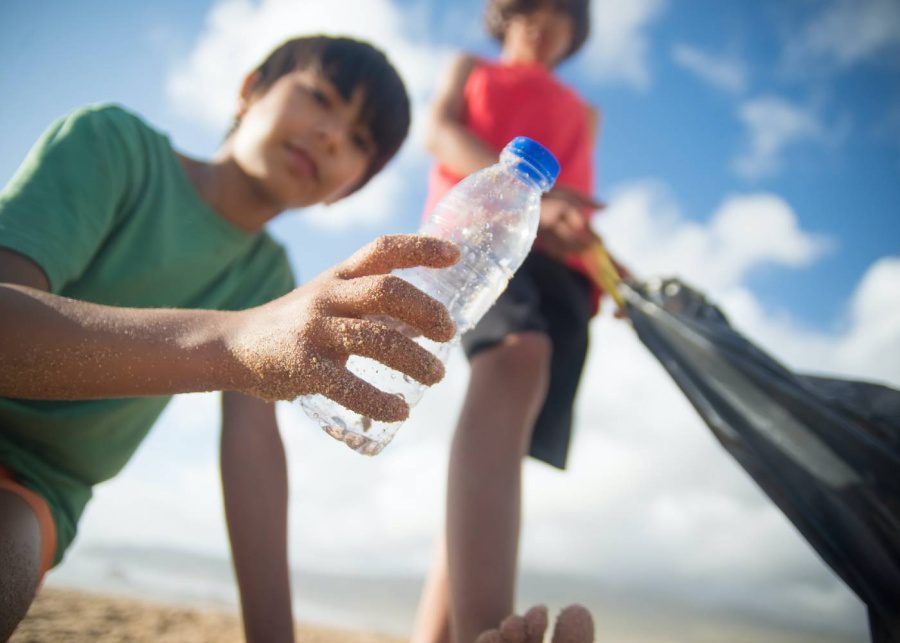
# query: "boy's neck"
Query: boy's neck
{"points": [[229, 192]]}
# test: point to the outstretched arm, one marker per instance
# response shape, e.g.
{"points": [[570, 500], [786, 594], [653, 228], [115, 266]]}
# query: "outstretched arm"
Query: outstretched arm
{"points": [[255, 490], [451, 142], [58, 348], [52, 347]]}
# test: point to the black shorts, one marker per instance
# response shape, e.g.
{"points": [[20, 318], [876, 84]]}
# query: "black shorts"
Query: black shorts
{"points": [[547, 297]]}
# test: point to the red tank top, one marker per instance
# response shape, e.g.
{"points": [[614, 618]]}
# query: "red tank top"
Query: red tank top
{"points": [[505, 101]]}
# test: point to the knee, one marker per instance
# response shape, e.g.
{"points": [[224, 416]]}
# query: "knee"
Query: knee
{"points": [[19, 560]]}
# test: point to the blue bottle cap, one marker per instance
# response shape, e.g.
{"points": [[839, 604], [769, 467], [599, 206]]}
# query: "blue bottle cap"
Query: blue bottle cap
{"points": [[538, 162]]}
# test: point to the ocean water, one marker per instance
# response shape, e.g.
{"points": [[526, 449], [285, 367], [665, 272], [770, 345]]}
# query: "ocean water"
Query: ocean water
{"points": [[387, 603]]}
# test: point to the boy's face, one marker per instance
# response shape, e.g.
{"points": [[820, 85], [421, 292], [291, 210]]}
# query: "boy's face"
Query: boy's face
{"points": [[540, 36], [301, 141]]}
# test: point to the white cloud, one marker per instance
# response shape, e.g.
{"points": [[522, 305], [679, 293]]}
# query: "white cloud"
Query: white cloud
{"points": [[618, 48], [875, 324], [239, 33], [773, 124], [746, 231], [726, 73], [845, 33]]}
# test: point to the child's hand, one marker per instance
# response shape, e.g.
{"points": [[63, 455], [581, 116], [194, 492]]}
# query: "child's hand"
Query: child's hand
{"points": [[299, 343], [562, 229]]}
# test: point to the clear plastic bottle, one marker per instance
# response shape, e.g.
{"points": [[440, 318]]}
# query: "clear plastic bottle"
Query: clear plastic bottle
{"points": [[492, 215]]}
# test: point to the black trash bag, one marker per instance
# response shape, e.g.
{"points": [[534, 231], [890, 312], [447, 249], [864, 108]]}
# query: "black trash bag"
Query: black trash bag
{"points": [[826, 451]]}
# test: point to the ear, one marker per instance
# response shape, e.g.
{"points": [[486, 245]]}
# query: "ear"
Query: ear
{"points": [[248, 90]]}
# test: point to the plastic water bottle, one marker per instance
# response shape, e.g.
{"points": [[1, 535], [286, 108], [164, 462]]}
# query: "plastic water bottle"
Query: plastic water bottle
{"points": [[492, 215]]}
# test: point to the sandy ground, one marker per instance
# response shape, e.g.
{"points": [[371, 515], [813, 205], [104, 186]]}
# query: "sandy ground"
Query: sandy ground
{"points": [[77, 616], [81, 617]]}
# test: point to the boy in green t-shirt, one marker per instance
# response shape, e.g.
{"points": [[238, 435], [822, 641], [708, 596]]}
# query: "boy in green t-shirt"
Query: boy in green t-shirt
{"points": [[129, 272]]}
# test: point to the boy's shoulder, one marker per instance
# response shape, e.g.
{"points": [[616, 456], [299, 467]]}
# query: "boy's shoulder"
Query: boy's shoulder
{"points": [[103, 119], [106, 112], [112, 132]]}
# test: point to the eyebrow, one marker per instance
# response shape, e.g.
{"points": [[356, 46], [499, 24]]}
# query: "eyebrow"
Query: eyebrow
{"points": [[360, 125]]}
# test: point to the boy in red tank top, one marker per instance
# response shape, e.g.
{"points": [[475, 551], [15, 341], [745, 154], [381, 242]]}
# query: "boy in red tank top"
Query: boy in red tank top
{"points": [[527, 353]]}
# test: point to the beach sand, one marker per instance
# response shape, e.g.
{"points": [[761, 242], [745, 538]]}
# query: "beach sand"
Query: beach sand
{"points": [[76, 616]]}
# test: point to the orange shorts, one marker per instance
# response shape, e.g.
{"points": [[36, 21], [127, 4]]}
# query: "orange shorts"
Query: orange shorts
{"points": [[41, 510]]}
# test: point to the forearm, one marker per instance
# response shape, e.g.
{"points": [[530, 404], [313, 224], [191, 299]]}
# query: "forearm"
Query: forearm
{"points": [[255, 489], [52, 347], [458, 149]]}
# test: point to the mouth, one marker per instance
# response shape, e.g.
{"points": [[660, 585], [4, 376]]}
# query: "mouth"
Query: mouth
{"points": [[300, 162]]}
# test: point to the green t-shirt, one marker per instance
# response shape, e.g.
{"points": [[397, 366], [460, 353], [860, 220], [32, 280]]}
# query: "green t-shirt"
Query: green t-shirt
{"points": [[103, 205]]}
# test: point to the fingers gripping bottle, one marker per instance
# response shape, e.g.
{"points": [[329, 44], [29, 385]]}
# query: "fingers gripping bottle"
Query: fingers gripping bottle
{"points": [[492, 215]]}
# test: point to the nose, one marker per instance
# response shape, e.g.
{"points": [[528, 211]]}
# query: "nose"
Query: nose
{"points": [[331, 132]]}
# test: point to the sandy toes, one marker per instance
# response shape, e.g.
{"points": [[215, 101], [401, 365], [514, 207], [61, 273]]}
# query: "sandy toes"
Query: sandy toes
{"points": [[573, 625]]}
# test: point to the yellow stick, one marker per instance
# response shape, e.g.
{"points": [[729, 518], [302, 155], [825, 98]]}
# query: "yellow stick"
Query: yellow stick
{"points": [[603, 271]]}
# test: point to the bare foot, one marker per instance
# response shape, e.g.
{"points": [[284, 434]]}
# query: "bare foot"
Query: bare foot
{"points": [[574, 625]]}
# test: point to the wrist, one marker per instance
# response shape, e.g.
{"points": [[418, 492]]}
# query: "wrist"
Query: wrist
{"points": [[224, 341], [190, 352]]}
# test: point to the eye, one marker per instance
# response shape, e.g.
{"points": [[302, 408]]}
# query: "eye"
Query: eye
{"points": [[361, 142], [320, 97]]}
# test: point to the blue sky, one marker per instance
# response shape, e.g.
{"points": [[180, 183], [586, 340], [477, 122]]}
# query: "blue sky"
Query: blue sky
{"points": [[842, 182], [751, 147]]}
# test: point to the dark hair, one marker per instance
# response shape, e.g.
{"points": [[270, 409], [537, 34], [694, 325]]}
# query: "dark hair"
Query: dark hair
{"points": [[499, 13], [349, 64]]}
